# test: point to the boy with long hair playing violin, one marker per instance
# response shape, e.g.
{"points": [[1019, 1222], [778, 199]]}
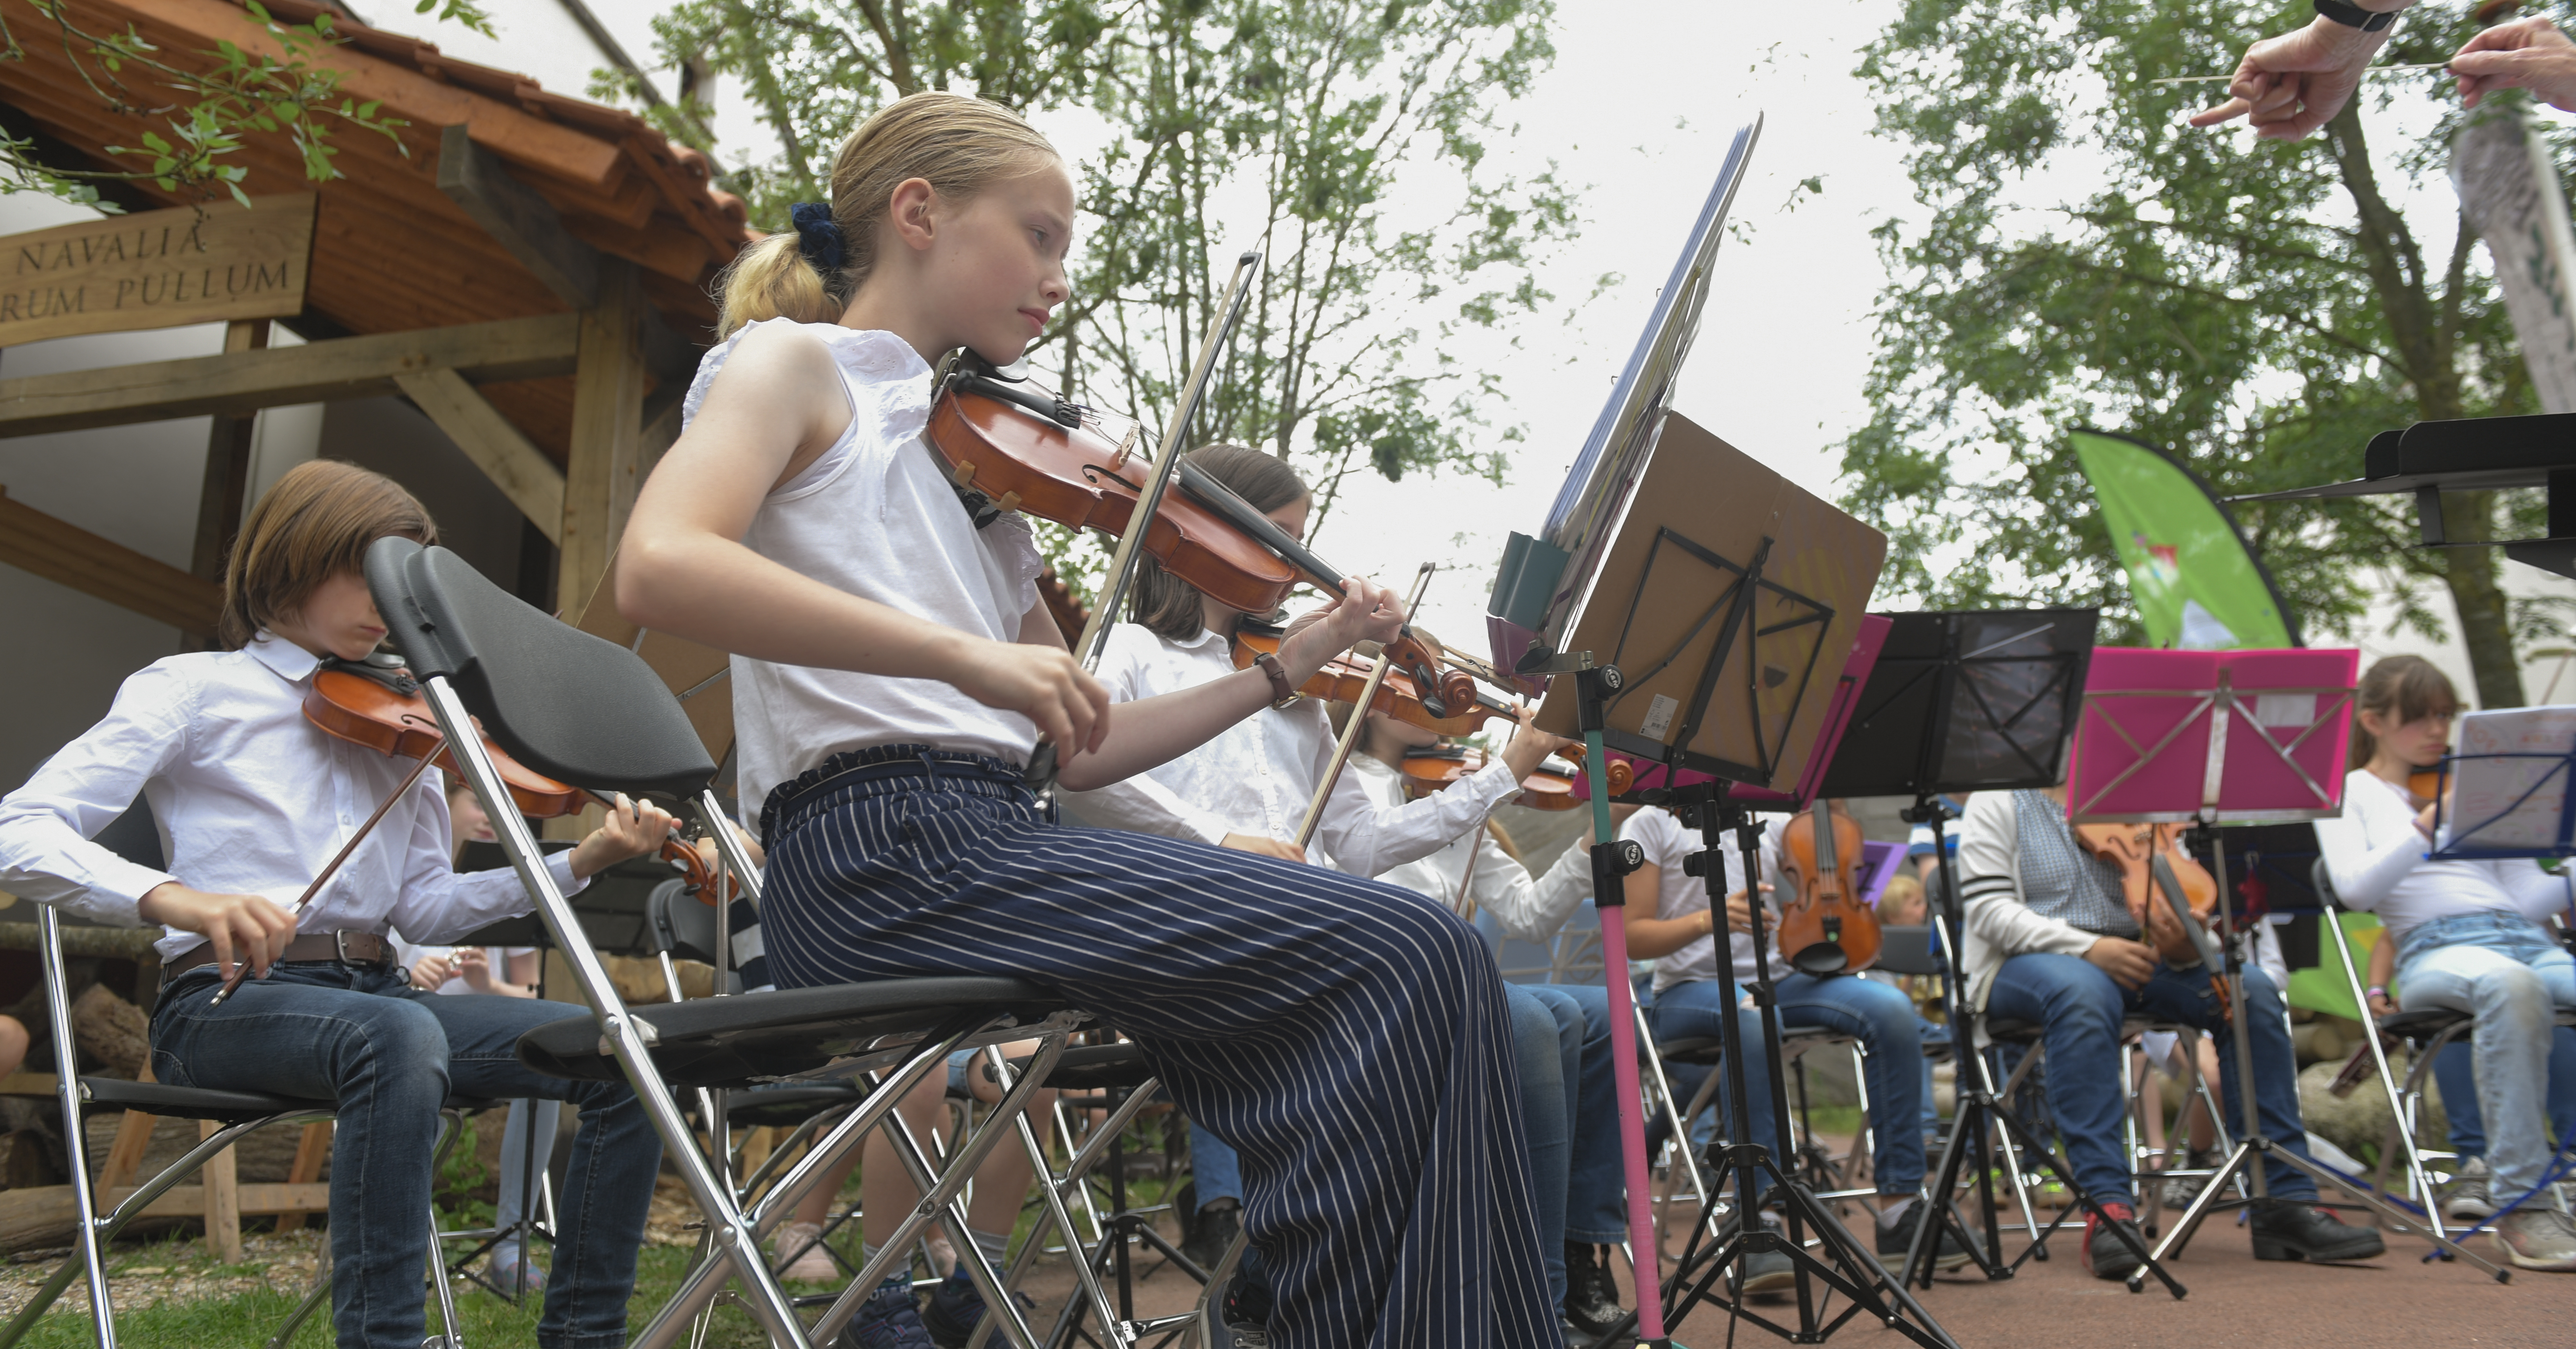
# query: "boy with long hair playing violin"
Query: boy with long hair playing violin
{"points": [[252, 800], [894, 666]]}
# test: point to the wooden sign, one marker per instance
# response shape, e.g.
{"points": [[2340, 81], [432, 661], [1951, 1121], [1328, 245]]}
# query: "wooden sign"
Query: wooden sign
{"points": [[158, 269]]}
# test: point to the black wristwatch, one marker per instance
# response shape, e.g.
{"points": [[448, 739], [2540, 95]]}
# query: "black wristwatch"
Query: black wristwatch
{"points": [[2351, 15]]}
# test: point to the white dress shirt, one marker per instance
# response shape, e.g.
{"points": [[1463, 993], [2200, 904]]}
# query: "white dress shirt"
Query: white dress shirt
{"points": [[1679, 893], [2378, 862], [251, 798], [1257, 775], [1473, 869]]}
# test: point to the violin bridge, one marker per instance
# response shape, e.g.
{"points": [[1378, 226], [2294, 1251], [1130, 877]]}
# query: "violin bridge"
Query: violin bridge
{"points": [[1125, 447]]}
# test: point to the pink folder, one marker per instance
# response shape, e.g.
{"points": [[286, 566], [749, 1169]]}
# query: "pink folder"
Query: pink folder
{"points": [[2232, 736]]}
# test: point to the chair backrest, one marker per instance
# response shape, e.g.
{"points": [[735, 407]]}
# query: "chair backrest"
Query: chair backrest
{"points": [[1907, 949], [680, 924], [563, 702]]}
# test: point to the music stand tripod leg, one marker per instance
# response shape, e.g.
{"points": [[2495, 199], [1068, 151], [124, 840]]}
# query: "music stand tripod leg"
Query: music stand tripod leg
{"points": [[2255, 1148]]}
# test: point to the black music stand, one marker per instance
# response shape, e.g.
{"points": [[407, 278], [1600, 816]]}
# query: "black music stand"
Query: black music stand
{"points": [[1726, 609], [1967, 702]]}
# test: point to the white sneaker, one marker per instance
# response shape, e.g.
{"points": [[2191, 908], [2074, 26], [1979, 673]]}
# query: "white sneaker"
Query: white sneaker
{"points": [[2466, 1202], [2537, 1236], [800, 1247]]}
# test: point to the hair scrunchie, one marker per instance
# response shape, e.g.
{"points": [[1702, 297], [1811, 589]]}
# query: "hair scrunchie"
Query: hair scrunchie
{"points": [[817, 237]]}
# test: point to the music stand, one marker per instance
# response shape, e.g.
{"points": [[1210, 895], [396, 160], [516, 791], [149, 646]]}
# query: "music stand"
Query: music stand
{"points": [[2511, 796], [1726, 591], [1968, 701], [2169, 736]]}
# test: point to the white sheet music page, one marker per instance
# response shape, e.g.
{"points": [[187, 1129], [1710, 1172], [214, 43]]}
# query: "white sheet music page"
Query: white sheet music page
{"points": [[2511, 802]]}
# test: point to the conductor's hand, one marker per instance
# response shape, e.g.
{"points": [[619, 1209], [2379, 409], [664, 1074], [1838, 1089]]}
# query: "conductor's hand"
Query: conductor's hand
{"points": [[2525, 54], [1267, 847], [2130, 964], [2290, 85], [241, 926], [633, 829], [1043, 683], [1530, 744]]}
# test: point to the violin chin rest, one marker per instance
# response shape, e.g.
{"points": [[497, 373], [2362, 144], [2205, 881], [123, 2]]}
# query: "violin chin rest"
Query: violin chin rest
{"points": [[1821, 959]]}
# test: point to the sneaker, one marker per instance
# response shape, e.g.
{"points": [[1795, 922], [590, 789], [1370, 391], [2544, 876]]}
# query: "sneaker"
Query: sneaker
{"points": [[507, 1268], [1212, 1233], [956, 1308], [1896, 1240], [2106, 1256], [2297, 1229], [799, 1248], [889, 1319], [1591, 1293], [1243, 1313], [1763, 1274], [2179, 1191], [2537, 1236], [2466, 1201]]}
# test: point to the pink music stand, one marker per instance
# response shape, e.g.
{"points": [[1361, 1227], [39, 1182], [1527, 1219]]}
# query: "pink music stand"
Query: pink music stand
{"points": [[2217, 736]]}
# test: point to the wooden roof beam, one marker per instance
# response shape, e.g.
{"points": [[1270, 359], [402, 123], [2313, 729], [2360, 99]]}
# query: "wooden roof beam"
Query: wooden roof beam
{"points": [[516, 218], [318, 372], [514, 464], [69, 555]]}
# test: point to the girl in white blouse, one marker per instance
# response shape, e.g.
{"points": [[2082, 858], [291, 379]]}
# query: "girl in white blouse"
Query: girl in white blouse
{"points": [[2470, 936]]}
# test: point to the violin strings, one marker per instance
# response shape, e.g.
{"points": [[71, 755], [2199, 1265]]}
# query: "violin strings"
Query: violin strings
{"points": [[2370, 70]]}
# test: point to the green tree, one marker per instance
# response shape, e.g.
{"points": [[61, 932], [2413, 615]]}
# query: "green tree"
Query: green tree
{"points": [[224, 96], [2260, 309], [1299, 115]]}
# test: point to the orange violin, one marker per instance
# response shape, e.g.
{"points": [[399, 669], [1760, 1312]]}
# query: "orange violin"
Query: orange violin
{"points": [[1342, 678], [2156, 873], [1434, 767], [380, 707], [1824, 926]]}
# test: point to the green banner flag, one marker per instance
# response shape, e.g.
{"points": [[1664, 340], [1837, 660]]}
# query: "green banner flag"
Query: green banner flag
{"points": [[2195, 584]]}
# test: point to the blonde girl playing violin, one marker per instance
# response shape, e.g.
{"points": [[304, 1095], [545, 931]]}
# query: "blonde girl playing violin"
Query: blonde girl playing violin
{"points": [[893, 667], [252, 799]]}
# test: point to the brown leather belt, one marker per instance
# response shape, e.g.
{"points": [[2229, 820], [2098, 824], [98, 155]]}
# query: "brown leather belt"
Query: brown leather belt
{"points": [[348, 948]]}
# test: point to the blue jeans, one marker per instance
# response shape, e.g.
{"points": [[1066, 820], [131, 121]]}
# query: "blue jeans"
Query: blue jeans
{"points": [[390, 1055], [2080, 1010], [530, 1120], [1596, 1187], [2457, 1075], [1878, 1015], [1549, 1026], [2505, 970]]}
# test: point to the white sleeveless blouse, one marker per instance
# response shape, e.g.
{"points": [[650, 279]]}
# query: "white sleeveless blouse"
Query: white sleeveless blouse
{"points": [[875, 517]]}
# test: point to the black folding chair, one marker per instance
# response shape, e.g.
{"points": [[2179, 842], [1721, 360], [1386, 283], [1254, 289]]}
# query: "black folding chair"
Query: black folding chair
{"points": [[591, 713]]}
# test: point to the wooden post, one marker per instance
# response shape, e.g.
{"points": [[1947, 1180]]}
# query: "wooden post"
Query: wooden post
{"points": [[607, 454], [310, 1152], [125, 1155], [222, 1180], [227, 479]]}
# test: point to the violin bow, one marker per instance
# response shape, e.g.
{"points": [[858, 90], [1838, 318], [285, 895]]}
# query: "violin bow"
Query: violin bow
{"points": [[1040, 774], [1350, 737], [296, 910]]}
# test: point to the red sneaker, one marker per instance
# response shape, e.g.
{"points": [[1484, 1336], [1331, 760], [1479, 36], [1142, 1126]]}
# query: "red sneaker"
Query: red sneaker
{"points": [[2110, 1257]]}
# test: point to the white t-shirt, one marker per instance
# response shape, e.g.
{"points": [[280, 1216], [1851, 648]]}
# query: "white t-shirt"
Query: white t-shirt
{"points": [[2376, 857], [1666, 843], [409, 955], [1473, 869], [874, 516]]}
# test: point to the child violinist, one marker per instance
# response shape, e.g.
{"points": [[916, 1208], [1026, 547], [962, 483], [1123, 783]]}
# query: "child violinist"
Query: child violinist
{"points": [[893, 667], [252, 798]]}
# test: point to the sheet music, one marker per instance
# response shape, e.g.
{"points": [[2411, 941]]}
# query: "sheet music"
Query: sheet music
{"points": [[2511, 802]]}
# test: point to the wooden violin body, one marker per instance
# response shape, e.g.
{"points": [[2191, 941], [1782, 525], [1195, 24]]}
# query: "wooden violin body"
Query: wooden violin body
{"points": [[1435, 767], [1008, 448], [1824, 926], [383, 711], [2157, 875], [1343, 678]]}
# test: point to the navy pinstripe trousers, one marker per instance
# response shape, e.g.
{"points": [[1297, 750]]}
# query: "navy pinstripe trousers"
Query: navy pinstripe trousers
{"points": [[1348, 1038]]}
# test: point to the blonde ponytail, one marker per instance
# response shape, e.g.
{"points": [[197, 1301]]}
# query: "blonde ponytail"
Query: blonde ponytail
{"points": [[959, 145]]}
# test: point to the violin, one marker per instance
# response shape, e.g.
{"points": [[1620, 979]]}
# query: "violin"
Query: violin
{"points": [[1007, 447], [2425, 784], [1824, 926], [379, 706], [2154, 866], [1434, 767], [1343, 678]]}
